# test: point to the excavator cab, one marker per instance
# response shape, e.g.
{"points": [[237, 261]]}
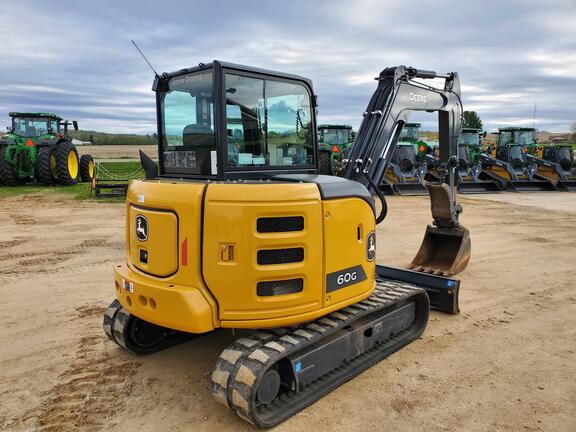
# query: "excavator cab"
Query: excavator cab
{"points": [[242, 125]]}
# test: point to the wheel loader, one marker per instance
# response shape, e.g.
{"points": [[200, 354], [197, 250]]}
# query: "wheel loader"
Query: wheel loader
{"points": [[39, 148], [334, 144], [250, 236]]}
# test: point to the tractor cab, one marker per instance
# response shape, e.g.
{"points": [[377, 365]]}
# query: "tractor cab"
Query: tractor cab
{"points": [[335, 135], [410, 135], [525, 137], [34, 126], [560, 154], [469, 143], [514, 154], [221, 121]]}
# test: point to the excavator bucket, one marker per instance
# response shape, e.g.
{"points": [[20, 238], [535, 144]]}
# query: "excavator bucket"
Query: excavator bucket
{"points": [[446, 247]]}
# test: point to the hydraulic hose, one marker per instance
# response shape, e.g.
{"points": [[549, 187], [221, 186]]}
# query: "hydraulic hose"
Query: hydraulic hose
{"points": [[384, 210]]}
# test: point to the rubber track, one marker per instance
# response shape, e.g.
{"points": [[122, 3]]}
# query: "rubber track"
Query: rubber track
{"points": [[239, 368]]}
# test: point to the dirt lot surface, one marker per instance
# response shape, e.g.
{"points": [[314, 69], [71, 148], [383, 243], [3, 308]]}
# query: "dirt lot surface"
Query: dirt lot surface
{"points": [[118, 151], [506, 363]]}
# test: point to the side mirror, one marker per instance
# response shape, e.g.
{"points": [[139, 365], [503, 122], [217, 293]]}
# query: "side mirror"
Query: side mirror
{"points": [[75, 123]]}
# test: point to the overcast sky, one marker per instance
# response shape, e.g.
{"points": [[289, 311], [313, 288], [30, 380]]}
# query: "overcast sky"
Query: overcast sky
{"points": [[75, 57]]}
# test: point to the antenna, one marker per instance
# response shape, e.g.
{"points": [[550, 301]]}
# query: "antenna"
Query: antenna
{"points": [[144, 57], [534, 117]]}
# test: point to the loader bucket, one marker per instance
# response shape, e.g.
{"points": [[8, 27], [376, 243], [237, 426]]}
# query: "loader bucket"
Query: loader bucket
{"points": [[445, 249], [411, 188], [480, 186], [567, 185], [388, 188], [533, 185]]}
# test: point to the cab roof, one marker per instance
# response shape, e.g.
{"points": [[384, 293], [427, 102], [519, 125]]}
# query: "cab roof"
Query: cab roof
{"points": [[330, 126], [227, 65], [515, 128], [35, 114]]}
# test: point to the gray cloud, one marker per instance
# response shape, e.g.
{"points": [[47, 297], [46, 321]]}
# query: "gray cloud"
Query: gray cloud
{"points": [[75, 58]]}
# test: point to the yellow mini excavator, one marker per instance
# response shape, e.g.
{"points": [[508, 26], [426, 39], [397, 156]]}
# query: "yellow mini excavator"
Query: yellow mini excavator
{"points": [[235, 229]]}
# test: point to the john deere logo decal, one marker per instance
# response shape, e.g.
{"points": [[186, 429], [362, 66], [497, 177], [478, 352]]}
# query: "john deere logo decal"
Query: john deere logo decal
{"points": [[141, 228], [371, 246]]}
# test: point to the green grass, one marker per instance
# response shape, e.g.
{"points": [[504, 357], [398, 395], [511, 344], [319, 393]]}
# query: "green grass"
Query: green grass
{"points": [[78, 191], [122, 168]]}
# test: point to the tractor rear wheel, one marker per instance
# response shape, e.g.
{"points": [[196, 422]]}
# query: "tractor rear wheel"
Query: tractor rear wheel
{"points": [[67, 164], [7, 174], [45, 166], [86, 168], [325, 164]]}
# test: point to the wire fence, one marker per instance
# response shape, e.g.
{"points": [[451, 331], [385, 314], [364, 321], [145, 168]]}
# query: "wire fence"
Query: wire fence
{"points": [[104, 174]]}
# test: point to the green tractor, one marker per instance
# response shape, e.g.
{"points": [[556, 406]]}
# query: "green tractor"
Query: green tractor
{"points": [[411, 134], [523, 136], [38, 148], [335, 142], [471, 140]]}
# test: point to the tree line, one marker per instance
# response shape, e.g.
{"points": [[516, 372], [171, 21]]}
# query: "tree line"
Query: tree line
{"points": [[101, 138]]}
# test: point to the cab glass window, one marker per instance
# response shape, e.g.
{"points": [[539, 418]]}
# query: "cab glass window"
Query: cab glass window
{"points": [[187, 112], [335, 136], [269, 123], [30, 127]]}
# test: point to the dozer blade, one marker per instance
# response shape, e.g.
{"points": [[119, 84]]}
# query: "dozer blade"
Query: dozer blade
{"points": [[446, 247]]}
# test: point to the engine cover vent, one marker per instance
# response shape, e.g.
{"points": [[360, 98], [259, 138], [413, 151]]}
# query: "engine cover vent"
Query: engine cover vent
{"points": [[279, 287], [280, 256], [280, 224]]}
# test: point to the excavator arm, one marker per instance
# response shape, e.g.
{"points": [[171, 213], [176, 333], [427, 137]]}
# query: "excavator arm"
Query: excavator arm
{"points": [[446, 246]]}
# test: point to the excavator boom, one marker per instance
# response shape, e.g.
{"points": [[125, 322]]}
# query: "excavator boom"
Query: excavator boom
{"points": [[446, 245]]}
